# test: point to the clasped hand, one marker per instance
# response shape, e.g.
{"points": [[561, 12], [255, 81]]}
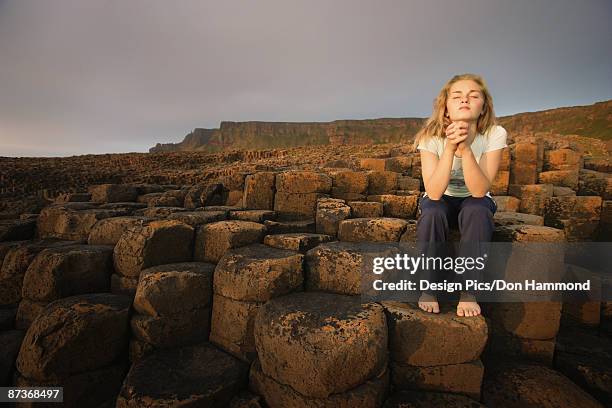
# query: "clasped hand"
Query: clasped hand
{"points": [[457, 133]]}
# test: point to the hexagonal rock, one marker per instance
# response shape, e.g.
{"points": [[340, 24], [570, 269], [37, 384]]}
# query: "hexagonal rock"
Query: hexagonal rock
{"points": [[586, 359], [514, 218], [320, 343], [259, 191], [163, 200], [5, 247], [173, 289], [195, 218], [172, 330], [158, 242], [502, 343], [298, 241], [507, 203], [408, 183], [578, 215], [232, 326], [71, 221], [410, 234], [234, 198], [68, 270], [343, 267], [112, 193], [123, 285], [524, 164], [208, 194], [399, 164], [139, 349], [296, 205], [562, 159], [595, 183], [528, 233], [366, 209], [75, 334], [303, 182], [290, 227], [72, 197], [533, 197], [563, 191], [428, 399], [396, 206], [258, 273], [420, 338], [350, 182], [526, 385], [382, 182], [198, 375], [252, 215], [109, 230], [159, 212], [15, 265], [336, 193], [330, 211], [213, 240], [126, 208], [226, 208], [372, 229], [531, 320], [371, 163], [464, 378], [27, 312], [567, 178], [371, 393]]}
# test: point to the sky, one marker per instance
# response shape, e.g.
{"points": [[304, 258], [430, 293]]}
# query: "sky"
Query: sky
{"points": [[109, 76]]}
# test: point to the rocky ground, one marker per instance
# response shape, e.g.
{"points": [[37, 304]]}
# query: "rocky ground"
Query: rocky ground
{"points": [[234, 279]]}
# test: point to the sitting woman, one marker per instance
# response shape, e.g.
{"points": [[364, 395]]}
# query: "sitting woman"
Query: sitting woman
{"points": [[461, 149]]}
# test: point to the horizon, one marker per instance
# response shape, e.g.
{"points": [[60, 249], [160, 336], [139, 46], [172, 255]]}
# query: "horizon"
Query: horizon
{"points": [[378, 118]]}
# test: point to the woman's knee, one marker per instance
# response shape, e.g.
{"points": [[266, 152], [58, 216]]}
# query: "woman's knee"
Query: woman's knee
{"points": [[475, 212], [433, 208], [477, 206]]}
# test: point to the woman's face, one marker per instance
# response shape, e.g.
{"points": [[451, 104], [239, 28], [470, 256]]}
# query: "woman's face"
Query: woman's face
{"points": [[465, 101]]}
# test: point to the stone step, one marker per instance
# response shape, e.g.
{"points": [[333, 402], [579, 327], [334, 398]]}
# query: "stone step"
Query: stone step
{"points": [[297, 241], [155, 243], [520, 384], [319, 344], [15, 264], [213, 240], [172, 306], [382, 229], [340, 267], [198, 375]]}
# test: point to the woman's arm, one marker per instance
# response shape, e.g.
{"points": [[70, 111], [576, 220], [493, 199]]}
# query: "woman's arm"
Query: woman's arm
{"points": [[479, 177], [436, 172]]}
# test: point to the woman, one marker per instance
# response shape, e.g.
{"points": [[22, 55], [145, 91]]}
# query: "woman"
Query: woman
{"points": [[461, 148]]}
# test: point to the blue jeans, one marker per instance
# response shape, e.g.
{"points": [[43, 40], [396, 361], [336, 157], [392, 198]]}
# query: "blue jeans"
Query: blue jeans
{"points": [[474, 218]]}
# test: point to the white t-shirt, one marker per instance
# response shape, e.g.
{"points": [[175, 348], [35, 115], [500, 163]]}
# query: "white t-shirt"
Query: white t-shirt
{"points": [[481, 144]]}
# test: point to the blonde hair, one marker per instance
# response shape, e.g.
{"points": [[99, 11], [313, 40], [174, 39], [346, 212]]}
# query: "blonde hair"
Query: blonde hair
{"points": [[437, 123]]}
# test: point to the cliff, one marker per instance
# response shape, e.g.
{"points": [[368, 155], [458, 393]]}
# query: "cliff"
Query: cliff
{"points": [[591, 121]]}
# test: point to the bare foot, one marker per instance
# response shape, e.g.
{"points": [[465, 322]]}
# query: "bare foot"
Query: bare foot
{"points": [[467, 305], [429, 303]]}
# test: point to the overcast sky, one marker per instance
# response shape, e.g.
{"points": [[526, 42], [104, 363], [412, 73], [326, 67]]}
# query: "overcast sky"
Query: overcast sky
{"points": [[82, 76]]}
